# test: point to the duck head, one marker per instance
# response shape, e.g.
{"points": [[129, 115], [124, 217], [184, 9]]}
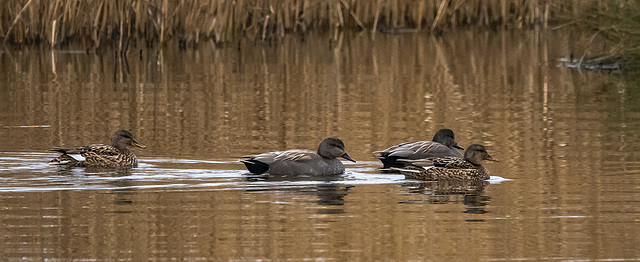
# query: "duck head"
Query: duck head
{"points": [[447, 138], [333, 148], [476, 153], [121, 139]]}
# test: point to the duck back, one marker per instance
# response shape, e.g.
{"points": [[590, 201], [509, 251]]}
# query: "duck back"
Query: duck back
{"points": [[391, 157], [293, 163]]}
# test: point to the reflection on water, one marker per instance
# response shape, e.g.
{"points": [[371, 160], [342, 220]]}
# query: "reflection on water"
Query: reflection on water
{"points": [[468, 193], [567, 141], [331, 191]]}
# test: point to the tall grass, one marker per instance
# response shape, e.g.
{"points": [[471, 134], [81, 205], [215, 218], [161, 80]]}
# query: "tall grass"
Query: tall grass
{"points": [[617, 21], [93, 23]]}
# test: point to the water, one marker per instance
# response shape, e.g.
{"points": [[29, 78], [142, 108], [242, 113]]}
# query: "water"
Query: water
{"points": [[567, 187]]}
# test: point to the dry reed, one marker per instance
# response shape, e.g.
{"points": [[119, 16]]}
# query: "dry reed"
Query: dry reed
{"points": [[93, 23], [617, 21]]}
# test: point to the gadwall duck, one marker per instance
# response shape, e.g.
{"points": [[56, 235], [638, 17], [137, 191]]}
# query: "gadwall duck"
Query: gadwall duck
{"points": [[299, 161], [98, 155], [443, 144], [453, 168]]}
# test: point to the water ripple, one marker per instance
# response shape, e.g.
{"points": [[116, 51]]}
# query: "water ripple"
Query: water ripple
{"points": [[30, 172]]}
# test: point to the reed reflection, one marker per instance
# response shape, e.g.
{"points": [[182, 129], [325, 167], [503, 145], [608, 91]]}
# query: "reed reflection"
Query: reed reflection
{"points": [[229, 102]]}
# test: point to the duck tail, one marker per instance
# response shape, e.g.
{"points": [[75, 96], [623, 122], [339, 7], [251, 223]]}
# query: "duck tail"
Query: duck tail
{"points": [[75, 150], [64, 159], [404, 170], [408, 173], [391, 162], [412, 172], [255, 166]]}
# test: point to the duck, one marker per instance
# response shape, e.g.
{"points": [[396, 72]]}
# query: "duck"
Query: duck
{"points": [[300, 162], [443, 144], [116, 154], [450, 168]]}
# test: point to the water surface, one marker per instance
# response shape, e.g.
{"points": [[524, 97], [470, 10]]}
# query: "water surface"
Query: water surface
{"points": [[567, 186]]}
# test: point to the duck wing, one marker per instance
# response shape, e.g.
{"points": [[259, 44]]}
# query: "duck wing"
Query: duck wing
{"points": [[73, 150], [453, 163], [94, 155], [101, 150], [445, 162], [104, 155], [262, 163], [420, 149], [289, 155]]}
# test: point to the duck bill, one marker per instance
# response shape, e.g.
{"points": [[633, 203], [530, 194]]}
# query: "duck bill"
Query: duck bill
{"points": [[492, 159], [458, 146], [136, 144], [347, 157]]}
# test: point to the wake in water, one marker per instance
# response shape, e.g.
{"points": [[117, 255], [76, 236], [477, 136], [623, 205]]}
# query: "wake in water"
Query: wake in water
{"points": [[31, 172]]}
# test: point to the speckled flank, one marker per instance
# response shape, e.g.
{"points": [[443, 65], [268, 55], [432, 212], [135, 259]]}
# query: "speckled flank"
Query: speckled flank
{"points": [[451, 168], [437, 173], [98, 155]]}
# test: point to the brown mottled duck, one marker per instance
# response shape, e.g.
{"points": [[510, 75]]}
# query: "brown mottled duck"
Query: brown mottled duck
{"points": [[443, 144], [98, 155], [450, 168]]}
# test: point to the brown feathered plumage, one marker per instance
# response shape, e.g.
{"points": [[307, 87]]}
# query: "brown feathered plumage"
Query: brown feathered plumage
{"points": [[98, 155], [450, 168]]}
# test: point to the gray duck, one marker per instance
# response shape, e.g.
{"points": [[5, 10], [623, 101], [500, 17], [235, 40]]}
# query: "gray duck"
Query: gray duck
{"points": [[443, 144], [299, 161]]}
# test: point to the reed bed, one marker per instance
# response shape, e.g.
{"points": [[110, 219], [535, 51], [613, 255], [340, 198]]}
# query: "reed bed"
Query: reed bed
{"points": [[94, 23], [618, 22]]}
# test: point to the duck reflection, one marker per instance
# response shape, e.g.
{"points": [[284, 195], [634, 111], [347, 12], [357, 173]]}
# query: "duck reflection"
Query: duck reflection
{"points": [[123, 193], [469, 193], [123, 189], [327, 191]]}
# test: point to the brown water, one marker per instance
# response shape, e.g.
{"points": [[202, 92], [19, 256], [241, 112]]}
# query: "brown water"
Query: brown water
{"points": [[567, 186]]}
